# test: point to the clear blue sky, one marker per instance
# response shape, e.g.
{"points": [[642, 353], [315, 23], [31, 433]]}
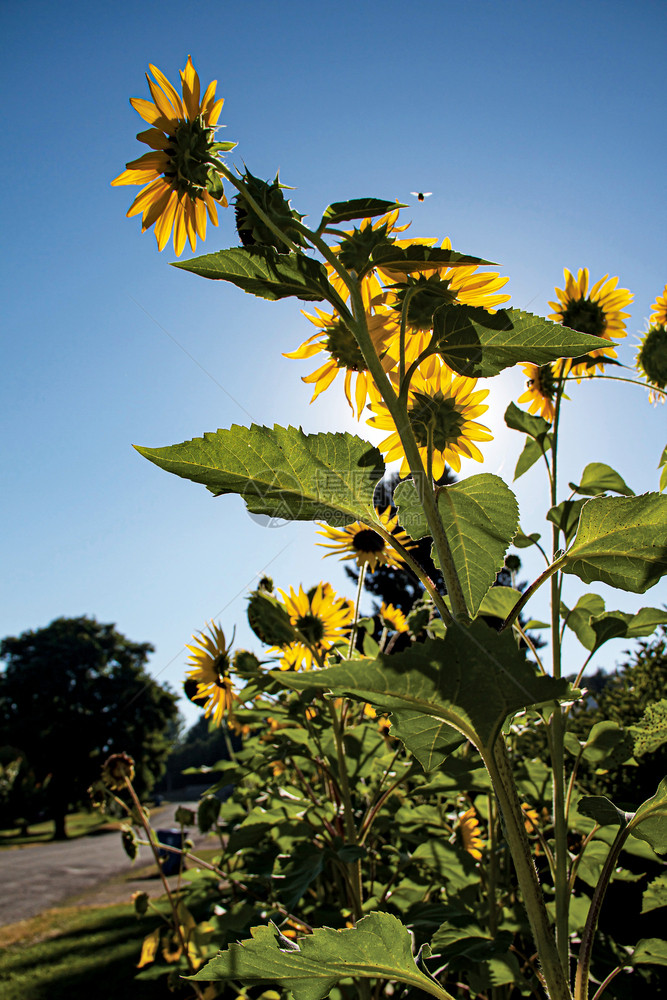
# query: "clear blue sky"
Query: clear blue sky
{"points": [[538, 127]]}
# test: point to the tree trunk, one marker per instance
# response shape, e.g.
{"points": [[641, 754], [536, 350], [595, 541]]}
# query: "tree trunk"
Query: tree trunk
{"points": [[59, 826]]}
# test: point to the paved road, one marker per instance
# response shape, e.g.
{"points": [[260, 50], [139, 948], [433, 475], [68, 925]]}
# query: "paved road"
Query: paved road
{"points": [[38, 877]]}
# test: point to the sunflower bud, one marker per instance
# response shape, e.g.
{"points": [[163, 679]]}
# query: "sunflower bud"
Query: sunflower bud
{"points": [[252, 230], [116, 769]]}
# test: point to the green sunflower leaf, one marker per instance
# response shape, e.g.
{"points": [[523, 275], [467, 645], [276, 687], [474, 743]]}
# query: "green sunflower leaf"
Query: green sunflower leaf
{"points": [[523, 541], [480, 516], [379, 947], [418, 257], [472, 680], [601, 478], [655, 895], [281, 472], [602, 810], [263, 271], [480, 344], [650, 732], [579, 617], [357, 208], [621, 541], [532, 452], [566, 516], [649, 951], [649, 823], [431, 741]]}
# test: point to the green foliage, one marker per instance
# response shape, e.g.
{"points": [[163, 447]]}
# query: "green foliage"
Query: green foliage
{"points": [[378, 947], [650, 733], [480, 517], [264, 272], [74, 692], [621, 541], [357, 208], [600, 478], [480, 344], [281, 472], [470, 680], [650, 821]]}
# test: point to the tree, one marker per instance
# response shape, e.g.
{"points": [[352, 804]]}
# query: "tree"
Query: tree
{"points": [[73, 693]]}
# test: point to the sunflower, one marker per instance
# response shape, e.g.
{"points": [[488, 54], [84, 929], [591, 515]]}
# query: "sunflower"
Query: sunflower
{"points": [[541, 387], [442, 406], [359, 241], [339, 343], [468, 826], [598, 312], [651, 361], [531, 818], [322, 619], [659, 307], [393, 618], [361, 542], [209, 662], [181, 174]]}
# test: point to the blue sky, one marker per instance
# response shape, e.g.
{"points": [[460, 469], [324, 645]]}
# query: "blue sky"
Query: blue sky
{"points": [[539, 130]]}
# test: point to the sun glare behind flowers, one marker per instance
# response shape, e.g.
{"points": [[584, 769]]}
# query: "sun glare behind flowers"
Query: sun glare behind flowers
{"points": [[183, 183]]}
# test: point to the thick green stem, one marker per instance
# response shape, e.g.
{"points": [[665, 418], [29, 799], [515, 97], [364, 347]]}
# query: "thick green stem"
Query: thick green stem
{"points": [[557, 726], [404, 429], [348, 813], [355, 624], [500, 771], [586, 949]]}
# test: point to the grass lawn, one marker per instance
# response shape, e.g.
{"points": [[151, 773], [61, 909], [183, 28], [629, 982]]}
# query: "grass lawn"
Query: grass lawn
{"points": [[78, 952], [77, 824]]}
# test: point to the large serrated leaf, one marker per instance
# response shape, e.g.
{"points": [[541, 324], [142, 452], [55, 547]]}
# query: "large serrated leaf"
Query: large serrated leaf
{"points": [[655, 895], [480, 344], [621, 541], [264, 272], [357, 208], [379, 947], [281, 472], [472, 680], [480, 516], [650, 951]]}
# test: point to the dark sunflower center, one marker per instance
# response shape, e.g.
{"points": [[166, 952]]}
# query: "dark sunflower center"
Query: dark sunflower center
{"points": [[543, 382], [653, 356], [344, 349], [368, 540], [311, 627], [221, 666], [440, 415], [223, 682], [189, 156], [585, 316], [426, 295]]}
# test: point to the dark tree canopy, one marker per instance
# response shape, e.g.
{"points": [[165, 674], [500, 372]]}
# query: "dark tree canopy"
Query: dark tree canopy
{"points": [[73, 693]]}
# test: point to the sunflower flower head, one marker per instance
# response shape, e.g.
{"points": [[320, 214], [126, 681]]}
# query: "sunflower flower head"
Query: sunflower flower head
{"points": [[366, 546], [181, 171], [269, 196], [209, 668], [651, 361], [393, 618], [659, 307], [597, 311], [442, 410], [541, 387], [321, 618], [468, 828], [531, 818], [342, 352]]}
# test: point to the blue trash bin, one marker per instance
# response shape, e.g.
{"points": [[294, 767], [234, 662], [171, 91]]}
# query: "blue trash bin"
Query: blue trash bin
{"points": [[170, 862]]}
